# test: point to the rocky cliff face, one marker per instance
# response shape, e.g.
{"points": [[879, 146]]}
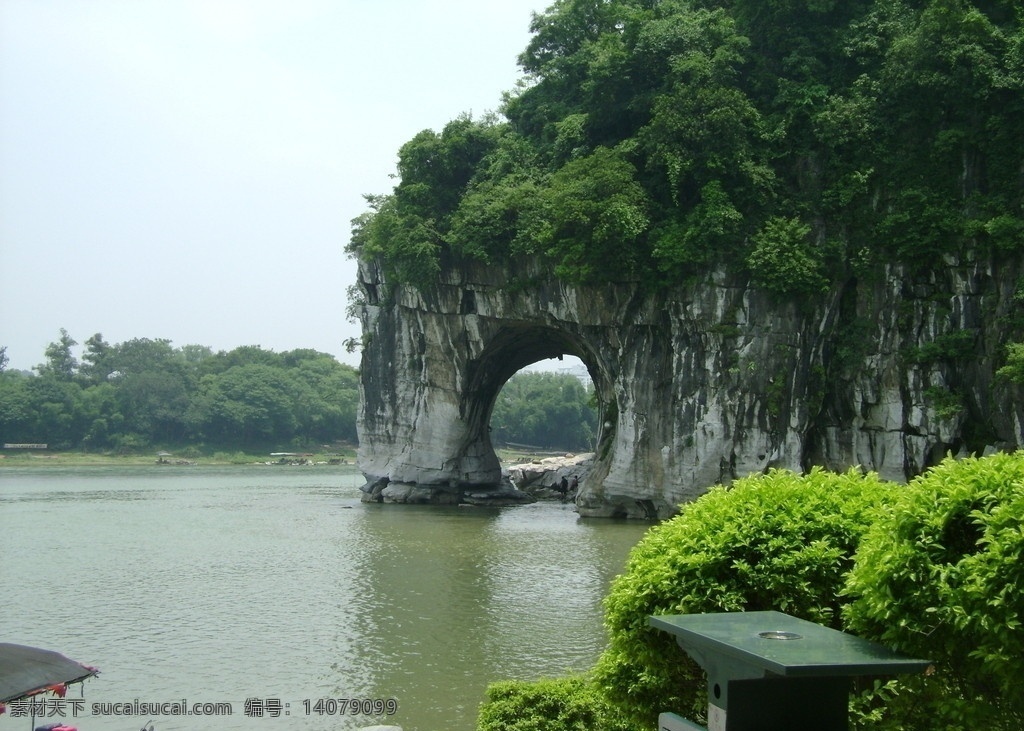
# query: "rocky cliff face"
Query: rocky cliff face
{"points": [[699, 385]]}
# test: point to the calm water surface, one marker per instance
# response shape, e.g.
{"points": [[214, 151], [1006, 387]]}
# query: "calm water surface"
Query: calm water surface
{"points": [[218, 585]]}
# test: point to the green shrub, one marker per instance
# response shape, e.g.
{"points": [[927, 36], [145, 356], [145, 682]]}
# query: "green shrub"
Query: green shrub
{"points": [[1014, 368], [953, 347], [562, 704], [778, 541], [941, 577], [947, 404], [784, 262]]}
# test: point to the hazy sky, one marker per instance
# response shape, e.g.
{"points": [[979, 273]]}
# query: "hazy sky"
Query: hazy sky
{"points": [[187, 169]]}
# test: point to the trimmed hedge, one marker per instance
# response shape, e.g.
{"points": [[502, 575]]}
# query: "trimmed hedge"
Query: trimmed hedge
{"points": [[941, 576], [561, 704], [777, 541]]}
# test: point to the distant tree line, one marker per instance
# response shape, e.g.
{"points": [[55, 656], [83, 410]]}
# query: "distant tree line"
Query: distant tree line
{"points": [[146, 393], [549, 410]]}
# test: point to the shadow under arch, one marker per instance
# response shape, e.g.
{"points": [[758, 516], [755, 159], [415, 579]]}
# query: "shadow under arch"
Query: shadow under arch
{"points": [[510, 350]]}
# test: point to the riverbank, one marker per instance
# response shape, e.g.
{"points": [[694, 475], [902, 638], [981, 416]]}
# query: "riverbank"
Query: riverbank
{"points": [[344, 454], [186, 457]]}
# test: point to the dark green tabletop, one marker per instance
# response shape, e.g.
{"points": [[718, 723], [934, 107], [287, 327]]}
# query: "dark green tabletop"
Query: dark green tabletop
{"points": [[784, 645]]}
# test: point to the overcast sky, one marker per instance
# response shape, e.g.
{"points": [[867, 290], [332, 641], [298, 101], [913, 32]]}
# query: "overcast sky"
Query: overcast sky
{"points": [[188, 169]]}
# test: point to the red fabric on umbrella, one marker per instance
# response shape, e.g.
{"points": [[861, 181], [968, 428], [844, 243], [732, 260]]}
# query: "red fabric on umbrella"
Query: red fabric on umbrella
{"points": [[25, 671]]}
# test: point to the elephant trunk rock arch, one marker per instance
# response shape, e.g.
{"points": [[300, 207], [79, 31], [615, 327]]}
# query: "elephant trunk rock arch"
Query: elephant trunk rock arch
{"points": [[698, 385]]}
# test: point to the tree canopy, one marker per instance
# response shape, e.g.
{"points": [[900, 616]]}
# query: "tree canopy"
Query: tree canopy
{"points": [[793, 139]]}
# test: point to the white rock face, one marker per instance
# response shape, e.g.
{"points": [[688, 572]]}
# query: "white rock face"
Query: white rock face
{"points": [[701, 385]]}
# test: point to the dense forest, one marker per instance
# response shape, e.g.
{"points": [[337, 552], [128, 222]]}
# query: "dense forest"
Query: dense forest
{"points": [[799, 141], [145, 393]]}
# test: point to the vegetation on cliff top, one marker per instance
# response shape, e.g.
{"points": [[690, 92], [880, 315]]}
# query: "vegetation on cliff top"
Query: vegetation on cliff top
{"points": [[797, 139]]}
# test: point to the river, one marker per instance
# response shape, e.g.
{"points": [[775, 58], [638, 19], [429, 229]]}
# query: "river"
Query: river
{"points": [[255, 592]]}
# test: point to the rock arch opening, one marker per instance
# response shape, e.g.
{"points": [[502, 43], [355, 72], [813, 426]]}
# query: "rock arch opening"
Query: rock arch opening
{"points": [[510, 352], [547, 408]]}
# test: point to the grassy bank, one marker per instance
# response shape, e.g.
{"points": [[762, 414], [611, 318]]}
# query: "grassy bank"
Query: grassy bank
{"points": [[186, 456]]}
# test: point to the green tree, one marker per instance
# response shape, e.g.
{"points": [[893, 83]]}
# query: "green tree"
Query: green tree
{"points": [[245, 405], [96, 366], [60, 361], [409, 227], [705, 144], [952, 101], [145, 392], [435, 168], [101, 416], [241, 356], [57, 411], [491, 221], [17, 410], [783, 260], [1014, 368], [195, 354], [328, 396], [592, 217], [153, 382], [154, 404], [139, 355]]}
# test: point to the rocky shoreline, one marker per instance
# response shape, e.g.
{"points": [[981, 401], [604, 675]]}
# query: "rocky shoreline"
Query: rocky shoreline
{"points": [[537, 478], [522, 483]]}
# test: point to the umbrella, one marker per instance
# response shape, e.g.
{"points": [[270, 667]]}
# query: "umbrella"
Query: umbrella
{"points": [[25, 671]]}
